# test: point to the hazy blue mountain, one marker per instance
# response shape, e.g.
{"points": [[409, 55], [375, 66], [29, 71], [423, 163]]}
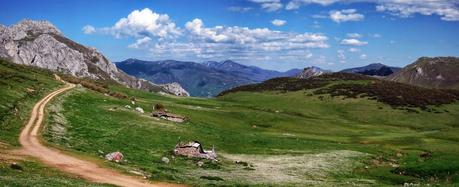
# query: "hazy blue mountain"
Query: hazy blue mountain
{"points": [[250, 72], [376, 69], [200, 79]]}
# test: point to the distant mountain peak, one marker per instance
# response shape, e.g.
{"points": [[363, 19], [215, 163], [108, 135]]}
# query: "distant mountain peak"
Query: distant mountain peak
{"points": [[374, 69], [228, 61], [432, 72], [312, 71]]}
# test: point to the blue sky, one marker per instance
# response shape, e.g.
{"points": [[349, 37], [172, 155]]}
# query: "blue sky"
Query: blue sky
{"points": [[273, 34]]}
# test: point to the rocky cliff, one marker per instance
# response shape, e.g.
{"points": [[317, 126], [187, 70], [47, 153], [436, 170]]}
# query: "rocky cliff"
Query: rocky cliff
{"points": [[41, 44]]}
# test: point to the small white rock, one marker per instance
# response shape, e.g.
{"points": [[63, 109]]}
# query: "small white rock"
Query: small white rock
{"points": [[165, 160], [138, 109]]}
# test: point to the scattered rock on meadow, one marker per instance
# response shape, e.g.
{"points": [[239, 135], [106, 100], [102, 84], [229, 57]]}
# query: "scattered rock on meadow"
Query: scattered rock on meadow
{"points": [[16, 166], [160, 111], [200, 163], [165, 160], [136, 172], [30, 90], [194, 149], [425, 155], [114, 156], [242, 163], [138, 109], [127, 106]]}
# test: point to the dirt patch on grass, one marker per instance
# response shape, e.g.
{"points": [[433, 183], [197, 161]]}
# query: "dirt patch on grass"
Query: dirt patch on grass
{"points": [[306, 169]]}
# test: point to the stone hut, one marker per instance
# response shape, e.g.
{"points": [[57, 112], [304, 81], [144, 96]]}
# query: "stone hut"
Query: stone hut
{"points": [[194, 149]]}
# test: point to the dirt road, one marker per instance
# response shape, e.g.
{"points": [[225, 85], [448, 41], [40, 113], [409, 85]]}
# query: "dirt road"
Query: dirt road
{"points": [[32, 146]]}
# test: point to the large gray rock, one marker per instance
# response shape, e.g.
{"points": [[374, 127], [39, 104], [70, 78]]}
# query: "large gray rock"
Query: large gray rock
{"points": [[39, 43]]}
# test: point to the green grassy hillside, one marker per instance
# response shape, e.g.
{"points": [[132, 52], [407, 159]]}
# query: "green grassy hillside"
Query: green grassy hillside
{"points": [[20, 88], [35, 174], [298, 137]]}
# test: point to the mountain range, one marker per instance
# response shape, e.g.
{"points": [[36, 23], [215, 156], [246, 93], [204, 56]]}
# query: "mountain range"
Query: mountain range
{"points": [[200, 79], [41, 44]]}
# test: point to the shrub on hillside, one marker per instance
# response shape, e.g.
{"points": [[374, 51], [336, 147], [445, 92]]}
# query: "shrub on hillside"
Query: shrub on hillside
{"points": [[118, 95], [159, 107], [357, 86], [70, 79], [93, 86], [392, 93]]}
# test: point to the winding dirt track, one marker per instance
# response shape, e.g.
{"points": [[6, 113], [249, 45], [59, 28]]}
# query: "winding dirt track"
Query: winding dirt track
{"points": [[32, 146]]}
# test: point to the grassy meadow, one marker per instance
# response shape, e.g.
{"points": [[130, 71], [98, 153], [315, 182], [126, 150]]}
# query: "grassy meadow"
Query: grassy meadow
{"points": [[290, 138], [268, 138]]}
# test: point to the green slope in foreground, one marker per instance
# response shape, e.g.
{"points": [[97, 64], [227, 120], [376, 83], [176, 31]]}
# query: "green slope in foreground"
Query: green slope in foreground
{"points": [[20, 88], [292, 138]]}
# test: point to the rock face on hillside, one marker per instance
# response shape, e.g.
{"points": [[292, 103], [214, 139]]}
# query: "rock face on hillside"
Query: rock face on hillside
{"points": [[311, 72], [39, 43], [437, 72]]}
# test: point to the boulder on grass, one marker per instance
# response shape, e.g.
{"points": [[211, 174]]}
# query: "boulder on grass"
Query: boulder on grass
{"points": [[114, 156], [194, 149], [138, 109]]}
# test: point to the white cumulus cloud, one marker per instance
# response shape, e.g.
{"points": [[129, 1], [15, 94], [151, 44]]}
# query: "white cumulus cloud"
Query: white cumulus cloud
{"points": [[239, 9], [448, 10], [295, 4], [141, 23], [354, 50], [88, 29], [353, 42], [241, 43], [345, 15], [278, 22], [140, 42], [269, 5], [341, 56], [354, 35], [161, 38]]}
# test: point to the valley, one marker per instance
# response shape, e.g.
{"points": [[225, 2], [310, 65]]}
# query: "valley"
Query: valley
{"points": [[311, 139]]}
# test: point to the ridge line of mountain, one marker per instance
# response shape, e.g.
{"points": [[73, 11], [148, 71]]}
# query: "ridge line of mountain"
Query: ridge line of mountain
{"points": [[205, 79], [41, 44]]}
